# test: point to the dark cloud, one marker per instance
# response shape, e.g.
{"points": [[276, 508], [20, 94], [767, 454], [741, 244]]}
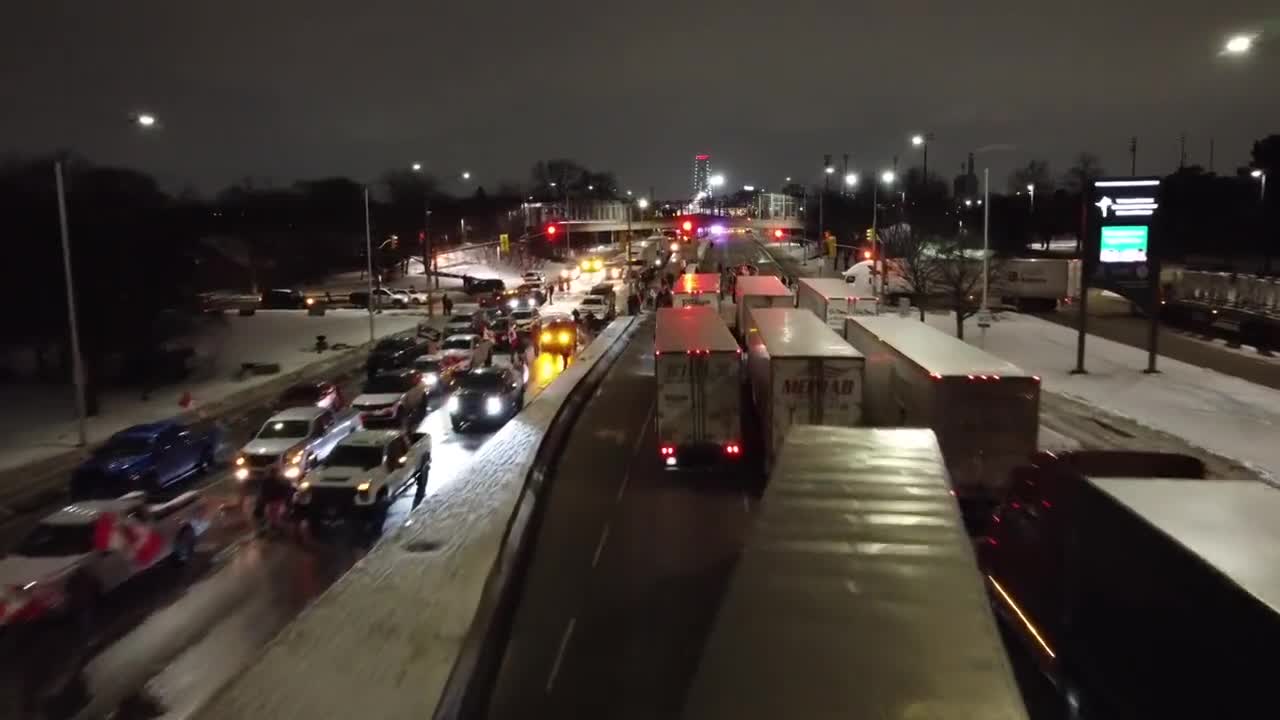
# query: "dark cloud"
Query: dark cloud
{"points": [[288, 89]]}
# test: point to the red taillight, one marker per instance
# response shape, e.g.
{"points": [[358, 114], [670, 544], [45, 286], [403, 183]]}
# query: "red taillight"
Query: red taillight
{"points": [[1035, 378], [733, 449], [667, 450], [935, 376]]}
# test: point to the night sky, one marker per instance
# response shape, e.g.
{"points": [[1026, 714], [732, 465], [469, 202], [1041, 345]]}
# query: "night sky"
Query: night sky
{"points": [[281, 89]]}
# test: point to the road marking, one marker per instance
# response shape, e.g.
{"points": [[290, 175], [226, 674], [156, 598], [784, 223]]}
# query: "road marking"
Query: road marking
{"points": [[648, 417], [564, 644], [604, 536]]}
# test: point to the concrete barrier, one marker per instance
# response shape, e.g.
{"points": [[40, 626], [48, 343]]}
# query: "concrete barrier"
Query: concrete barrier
{"points": [[415, 630]]}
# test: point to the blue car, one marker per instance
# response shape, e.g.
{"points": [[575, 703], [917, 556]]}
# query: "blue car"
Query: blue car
{"points": [[147, 457]]}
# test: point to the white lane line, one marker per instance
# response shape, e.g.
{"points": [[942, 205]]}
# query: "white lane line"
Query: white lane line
{"points": [[564, 644], [648, 417], [622, 486], [604, 537]]}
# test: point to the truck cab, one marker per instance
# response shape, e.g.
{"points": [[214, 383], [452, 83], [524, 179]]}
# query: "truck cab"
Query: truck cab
{"points": [[291, 442]]}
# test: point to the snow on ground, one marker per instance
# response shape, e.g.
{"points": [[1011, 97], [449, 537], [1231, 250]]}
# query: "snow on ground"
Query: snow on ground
{"points": [[1220, 413], [40, 421]]}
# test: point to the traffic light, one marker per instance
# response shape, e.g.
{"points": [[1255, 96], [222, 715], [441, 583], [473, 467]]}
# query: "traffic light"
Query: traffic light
{"points": [[687, 226], [551, 231], [866, 254], [869, 237]]}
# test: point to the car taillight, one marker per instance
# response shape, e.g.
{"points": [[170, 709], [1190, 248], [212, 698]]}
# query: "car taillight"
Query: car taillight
{"points": [[667, 450], [733, 449]]}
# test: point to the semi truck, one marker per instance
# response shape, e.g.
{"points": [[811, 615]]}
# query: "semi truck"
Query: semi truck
{"points": [[753, 291], [699, 387], [696, 289], [1143, 597], [856, 594], [801, 372], [986, 411], [1027, 284]]}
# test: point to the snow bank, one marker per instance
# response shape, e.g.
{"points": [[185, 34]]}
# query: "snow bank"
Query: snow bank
{"points": [[1223, 414]]}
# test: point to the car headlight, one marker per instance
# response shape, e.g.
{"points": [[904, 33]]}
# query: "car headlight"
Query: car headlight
{"points": [[492, 405], [293, 472], [452, 405], [242, 474], [363, 487], [297, 457], [239, 460], [513, 304], [304, 486], [563, 338], [430, 379]]}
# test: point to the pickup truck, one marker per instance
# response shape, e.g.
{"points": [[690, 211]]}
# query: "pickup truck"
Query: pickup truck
{"points": [[145, 457], [291, 442], [90, 547], [363, 475]]}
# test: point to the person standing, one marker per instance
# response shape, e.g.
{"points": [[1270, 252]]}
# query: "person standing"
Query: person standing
{"points": [[446, 304]]}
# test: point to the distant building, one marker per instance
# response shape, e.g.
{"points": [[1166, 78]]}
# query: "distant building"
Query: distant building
{"points": [[701, 173], [966, 184]]}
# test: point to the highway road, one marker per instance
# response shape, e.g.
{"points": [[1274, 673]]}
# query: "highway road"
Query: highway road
{"points": [[630, 562], [164, 643]]}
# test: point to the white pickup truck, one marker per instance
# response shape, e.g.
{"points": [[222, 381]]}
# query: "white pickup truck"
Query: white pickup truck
{"points": [[363, 475], [291, 442], [88, 548]]}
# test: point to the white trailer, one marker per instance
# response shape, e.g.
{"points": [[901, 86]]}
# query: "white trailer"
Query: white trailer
{"points": [[696, 289], [1038, 283], [832, 300], [857, 594], [754, 291], [802, 373], [985, 411], [699, 386]]}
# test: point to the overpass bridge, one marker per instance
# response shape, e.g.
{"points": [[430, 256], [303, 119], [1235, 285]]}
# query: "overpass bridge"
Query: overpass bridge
{"points": [[770, 212]]}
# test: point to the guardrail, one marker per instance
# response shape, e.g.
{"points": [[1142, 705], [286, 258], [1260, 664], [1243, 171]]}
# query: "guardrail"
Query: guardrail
{"points": [[417, 628]]}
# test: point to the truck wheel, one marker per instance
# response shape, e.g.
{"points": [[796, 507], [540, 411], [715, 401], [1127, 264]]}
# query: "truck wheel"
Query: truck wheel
{"points": [[184, 546]]}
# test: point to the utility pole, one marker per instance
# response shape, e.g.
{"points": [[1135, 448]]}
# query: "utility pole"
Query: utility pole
{"points": [[1182, 151], [844, 173], [1210, 154], [986, 235], [77, 360], [1133, 156]]}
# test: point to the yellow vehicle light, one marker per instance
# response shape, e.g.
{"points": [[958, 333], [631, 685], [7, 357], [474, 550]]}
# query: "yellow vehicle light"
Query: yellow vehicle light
{"points": [[545, 337], [363, 487], [563, 338]]}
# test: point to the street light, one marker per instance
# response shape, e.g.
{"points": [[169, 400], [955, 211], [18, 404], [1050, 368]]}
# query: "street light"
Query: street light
{"points": [[1239, 44], [828, 169], [145, 120], [643, 203], [1262, 176], [417, 167], [715, 180], [1031, 188], [887, 177], [922, 141], [466, 175], [851, 179]]}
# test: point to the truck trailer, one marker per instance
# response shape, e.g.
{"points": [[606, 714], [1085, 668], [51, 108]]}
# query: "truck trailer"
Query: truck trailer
{"points": [[696, 289], [832, 300], [801, 372], [699, 386], [754, 291], [986, 411]]}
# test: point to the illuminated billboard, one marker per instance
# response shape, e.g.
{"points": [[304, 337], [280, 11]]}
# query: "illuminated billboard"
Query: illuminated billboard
{"points": [[1123, 243]]}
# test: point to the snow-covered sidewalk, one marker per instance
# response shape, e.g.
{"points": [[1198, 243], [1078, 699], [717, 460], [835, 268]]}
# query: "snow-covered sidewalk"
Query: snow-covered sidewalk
{"points": [[1223, 414]]}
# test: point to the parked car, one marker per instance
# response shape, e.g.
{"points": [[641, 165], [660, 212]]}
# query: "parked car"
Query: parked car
{"points": [[145, 457], [320, 393], [536, 292], [534, 277], [363, 476], [74, 556], [283, 299], [463, 352], [291, 442], [525, 319], [459, 323], [394, 397], [485, 396], [480, 286], [597, 307], [383, 298], [393, 353]]}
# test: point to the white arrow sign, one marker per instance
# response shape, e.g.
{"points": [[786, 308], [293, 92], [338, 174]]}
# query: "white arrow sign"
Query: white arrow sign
{"points": [[1127, 206], [1105, 203]]}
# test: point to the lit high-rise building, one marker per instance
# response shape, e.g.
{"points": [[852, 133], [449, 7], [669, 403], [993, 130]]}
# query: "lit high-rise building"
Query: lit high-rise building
{"points": [[701, 173]]}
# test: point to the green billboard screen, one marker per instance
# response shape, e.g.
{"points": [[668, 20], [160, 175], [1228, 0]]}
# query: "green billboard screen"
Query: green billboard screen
{"points": [[1123, 243]]}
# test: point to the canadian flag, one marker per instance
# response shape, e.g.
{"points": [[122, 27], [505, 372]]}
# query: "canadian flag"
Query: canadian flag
{"points": [[140, 543]]}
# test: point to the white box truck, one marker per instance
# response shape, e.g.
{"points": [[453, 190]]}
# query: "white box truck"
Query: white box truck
{"points": [[696, 289], [985, 411], [802, 373], [754, 291], [699, 384]]}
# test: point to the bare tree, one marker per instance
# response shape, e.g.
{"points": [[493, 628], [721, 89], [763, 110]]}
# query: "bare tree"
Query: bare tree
{"points": [[1035, 173], [1084, 170], [913, 257], [958, 276]]}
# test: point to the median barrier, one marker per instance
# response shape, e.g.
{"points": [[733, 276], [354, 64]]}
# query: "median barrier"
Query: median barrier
{"points": [[417, 628]]}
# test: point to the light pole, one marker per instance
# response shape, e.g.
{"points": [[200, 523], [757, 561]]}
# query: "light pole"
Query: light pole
{"points": [[1031, 188], [77, 360], [887, 177], [428, 245], [922, 141], [1262, 192], [986, 224]]}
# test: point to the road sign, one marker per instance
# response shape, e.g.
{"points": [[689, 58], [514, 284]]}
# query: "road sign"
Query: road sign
{"points": [[1123, 243], [504, 242], [984, 318]]}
